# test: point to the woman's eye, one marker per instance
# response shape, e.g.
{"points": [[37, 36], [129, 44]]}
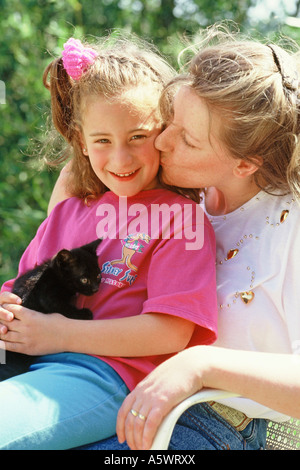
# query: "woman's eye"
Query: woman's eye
{"points": [[103, 141], [186, 142]]}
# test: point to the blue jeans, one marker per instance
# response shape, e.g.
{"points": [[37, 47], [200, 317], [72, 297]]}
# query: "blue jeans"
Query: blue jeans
{"points": [[201, 428], [65, 400]]}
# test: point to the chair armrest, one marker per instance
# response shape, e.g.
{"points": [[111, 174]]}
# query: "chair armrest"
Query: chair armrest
{"points": [[164, 433]]}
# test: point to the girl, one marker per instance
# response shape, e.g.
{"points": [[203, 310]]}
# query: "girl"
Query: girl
{"points": [[152, 301]]}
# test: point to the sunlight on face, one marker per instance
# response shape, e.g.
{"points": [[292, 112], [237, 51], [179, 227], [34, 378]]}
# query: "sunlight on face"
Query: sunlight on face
{"points": [[119, 142]]}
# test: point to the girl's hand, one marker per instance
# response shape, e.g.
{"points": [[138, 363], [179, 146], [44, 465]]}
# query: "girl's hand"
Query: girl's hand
{"points": [[32, 332], [5, 315], [154, 397]]}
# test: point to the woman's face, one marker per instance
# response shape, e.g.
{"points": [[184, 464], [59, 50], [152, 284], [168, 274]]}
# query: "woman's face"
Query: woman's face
{"points": [[192, 155]]}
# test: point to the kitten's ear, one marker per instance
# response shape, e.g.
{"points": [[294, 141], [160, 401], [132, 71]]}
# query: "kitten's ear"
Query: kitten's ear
{"points": [[92, 247], [62, 257]]}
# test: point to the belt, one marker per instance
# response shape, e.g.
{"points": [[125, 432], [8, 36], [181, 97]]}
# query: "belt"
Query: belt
{"points": [[236, 418]]}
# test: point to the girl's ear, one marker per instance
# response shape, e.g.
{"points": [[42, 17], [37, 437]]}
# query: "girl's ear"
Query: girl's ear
{"points": [[82, 142], [246, 168]]}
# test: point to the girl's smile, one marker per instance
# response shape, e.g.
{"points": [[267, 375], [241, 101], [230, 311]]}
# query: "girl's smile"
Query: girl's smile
{"points": [[126, 176]]}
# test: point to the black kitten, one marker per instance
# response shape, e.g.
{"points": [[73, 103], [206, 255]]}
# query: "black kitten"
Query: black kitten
{"points": [[50, 288]]}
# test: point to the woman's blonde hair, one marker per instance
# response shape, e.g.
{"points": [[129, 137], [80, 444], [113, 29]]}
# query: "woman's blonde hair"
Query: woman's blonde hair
{"points": [[122, 64], [253, 87]]}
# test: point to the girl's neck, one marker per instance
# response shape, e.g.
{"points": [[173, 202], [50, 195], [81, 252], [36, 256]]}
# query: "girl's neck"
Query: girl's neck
{"points": [[217, 203]]}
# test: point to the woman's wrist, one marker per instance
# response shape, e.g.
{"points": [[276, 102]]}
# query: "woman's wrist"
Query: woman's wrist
{"points": [[198, 360], [214, 367]]}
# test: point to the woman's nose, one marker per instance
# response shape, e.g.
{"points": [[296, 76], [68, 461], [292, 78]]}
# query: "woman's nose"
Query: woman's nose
{"points": [[163, 141]]}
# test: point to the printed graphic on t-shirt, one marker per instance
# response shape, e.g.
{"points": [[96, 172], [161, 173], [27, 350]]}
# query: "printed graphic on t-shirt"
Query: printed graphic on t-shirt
{"points": [[131, 246]]}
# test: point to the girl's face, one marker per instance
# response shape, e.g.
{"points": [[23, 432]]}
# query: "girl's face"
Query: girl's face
{"points": [[192, 155], [119, 142]]}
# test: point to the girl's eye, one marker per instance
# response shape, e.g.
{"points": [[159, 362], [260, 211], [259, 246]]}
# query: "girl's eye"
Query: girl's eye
{"points": [[101, 140], [138, 137]]}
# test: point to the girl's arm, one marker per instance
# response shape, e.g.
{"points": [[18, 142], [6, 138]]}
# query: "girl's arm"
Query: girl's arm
{"points": [[270, 379], [34, 333], [144, 335]]}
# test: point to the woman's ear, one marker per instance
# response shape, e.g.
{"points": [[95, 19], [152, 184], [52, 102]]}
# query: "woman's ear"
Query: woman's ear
{"points": [[246, 168]]}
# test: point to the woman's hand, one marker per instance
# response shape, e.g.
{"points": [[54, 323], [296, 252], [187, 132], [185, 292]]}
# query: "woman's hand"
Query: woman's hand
{"points": [[251, 374], [31, 332], [156, 395]]}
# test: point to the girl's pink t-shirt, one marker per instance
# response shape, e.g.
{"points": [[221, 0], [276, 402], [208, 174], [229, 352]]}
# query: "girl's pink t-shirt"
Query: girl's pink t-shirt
{"points": [[157, 256]]}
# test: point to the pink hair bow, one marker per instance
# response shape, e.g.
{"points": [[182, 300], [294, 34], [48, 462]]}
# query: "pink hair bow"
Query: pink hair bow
{"points": [[77, 58]]}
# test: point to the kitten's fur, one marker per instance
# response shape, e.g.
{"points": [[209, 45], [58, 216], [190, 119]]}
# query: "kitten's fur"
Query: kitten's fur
{"points": [[51, 287]]}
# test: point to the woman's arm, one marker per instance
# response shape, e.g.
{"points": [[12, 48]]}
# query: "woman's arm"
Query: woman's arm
{"points": [[60, 192], [34, 333], [270, 379]]}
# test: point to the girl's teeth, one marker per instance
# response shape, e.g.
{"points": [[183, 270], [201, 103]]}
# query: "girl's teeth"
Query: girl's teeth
{"points": [[124, 174]]}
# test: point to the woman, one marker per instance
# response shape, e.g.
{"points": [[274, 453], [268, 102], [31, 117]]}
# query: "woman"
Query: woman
{"points": [[235, 131]]}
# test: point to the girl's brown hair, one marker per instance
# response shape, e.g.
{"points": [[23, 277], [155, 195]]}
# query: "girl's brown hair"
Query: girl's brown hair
{"points": [[121, 65]]}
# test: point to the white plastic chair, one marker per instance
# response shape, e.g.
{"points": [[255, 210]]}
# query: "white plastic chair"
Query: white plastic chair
{"points": [[164, 433], [280, 436]]}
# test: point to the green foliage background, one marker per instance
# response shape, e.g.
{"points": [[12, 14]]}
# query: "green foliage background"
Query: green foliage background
{"points": [[31, 31]]}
